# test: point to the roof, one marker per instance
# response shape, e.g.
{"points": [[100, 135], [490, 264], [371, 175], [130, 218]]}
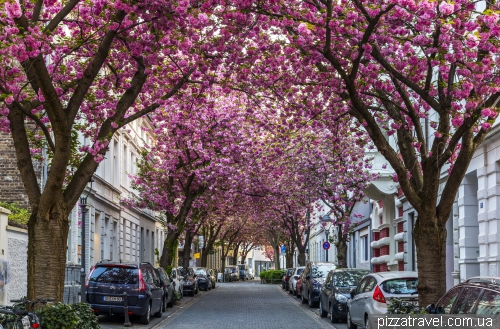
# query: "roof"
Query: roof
{"points": [[397, 274]]}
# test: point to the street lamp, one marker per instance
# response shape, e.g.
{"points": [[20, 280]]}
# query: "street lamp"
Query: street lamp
{"points": [[326, 219], [83, 205]]}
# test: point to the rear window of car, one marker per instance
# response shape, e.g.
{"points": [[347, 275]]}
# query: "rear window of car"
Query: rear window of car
{"points": [[120, 275], [400, 286], [321, 271], [200, 271], [299, 271], [348, 278], [184, 271]]}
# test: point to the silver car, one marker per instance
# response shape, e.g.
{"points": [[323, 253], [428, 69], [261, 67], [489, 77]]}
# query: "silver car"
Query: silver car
{"points": [[292, 283], [373, 293]]}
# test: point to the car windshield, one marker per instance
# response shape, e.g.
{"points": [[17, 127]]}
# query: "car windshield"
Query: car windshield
{"points": [[200, 271], [120, 275], [321, 271], [299, 271], [348, 278], [184, 271], [400, 286]]}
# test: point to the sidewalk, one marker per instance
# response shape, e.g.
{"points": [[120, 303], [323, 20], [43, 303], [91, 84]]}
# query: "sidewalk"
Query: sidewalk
{"points": [[115, 322]]}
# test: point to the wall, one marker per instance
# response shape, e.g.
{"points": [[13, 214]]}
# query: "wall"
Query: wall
{"points": [[13, 260]]}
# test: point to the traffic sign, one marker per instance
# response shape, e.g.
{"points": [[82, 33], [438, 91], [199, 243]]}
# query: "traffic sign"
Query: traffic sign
{"points": [[283, 249], [326, 245]]}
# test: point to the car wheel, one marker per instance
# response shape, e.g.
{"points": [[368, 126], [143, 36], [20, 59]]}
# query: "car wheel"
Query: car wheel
{"points": [[171, 303], [160, 310], [322, 312], [144, 319], [164, 304], [349, 323], [333, 318], [302, 299], [290, 291]]}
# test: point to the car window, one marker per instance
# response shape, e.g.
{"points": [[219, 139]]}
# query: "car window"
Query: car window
{"points": [[489, 303], [446, 302], [467, 300], [321, 271], [299, 271], [328, 280], [348, 278], [370, 285], [173, 274], [121, 275], [200, 271], [400, 286], [184, 271], [362, 285]]}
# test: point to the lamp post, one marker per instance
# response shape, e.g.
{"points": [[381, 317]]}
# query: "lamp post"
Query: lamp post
{"points": [[326, 219], [83, 205]]}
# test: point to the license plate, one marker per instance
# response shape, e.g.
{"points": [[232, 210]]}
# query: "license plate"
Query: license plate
{"points": [[112, 299]]}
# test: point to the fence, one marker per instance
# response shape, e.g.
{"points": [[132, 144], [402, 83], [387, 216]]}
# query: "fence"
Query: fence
{"points": [[72, 286]]}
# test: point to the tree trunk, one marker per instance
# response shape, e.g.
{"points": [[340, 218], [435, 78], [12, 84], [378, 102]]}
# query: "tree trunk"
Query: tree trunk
{"points": [[430, 240], [186, 252], [289, 260], [169, 248], [48, 234], [301, 258], [277, 263], [235, 254], [342, 254]]}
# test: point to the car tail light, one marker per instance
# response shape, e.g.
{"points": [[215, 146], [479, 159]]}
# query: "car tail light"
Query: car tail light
{"points": [[88, 278], [142, 284], [378, 295], [296, 277], [35, 325], [287, 279]]}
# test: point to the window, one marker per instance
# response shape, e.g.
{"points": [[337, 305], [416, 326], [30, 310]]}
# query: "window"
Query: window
{"points": [[400, 286], [370, 285], [364, 248], [122, 275], [467, 300], [489, 303], [445, 304]]}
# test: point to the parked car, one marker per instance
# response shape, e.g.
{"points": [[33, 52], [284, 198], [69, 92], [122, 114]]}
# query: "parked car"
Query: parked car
{"points": [[189, 282], [203, 279], [251, 275], [168, 288], [107, 281], [292, 283], [312, 278], [178, 281], [335, 291], [286, 278], [213, 276], [477, 295], [243, 271], [374, 290], [233, 272]]}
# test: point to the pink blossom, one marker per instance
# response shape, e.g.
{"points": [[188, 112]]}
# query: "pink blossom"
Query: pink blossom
{"points": [[486, 125], [446, 8], [13, 9]]}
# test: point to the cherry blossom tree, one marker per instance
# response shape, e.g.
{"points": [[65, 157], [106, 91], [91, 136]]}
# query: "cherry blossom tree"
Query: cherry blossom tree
{"points": [[423, 72], [90, 68]]}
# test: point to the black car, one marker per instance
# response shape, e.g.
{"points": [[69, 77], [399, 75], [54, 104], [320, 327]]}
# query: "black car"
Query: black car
{"points": [[286, 279], [335, 291], [108, 281], [168, 288], [312, 278], [204, 280], [190, 284], [477, 295]]}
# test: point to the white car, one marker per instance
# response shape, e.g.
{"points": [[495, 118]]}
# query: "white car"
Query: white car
{"points": [[178, 281], [250, 274], [292, 283], [371, 295]]}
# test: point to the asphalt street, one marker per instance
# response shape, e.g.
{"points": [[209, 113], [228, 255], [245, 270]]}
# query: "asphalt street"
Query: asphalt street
{"points": [[242, 305]]}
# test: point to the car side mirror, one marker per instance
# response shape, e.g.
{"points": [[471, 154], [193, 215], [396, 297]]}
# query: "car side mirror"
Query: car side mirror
{"points": [[353, 292], [430, 309]]}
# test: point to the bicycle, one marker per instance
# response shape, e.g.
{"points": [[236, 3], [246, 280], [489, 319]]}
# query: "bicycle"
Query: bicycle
{"points": [[14, 318], [24, 303]]}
